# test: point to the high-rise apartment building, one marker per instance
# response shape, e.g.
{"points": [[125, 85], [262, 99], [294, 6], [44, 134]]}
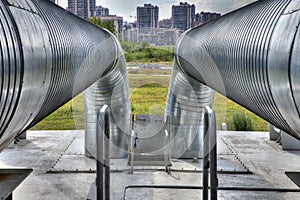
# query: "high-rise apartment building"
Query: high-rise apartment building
{"points": [[147, 18], [183, 16], [82, 8], [204, 17], [101, 11]]}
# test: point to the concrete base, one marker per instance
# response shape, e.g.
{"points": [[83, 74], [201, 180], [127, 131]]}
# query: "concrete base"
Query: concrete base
{"points": [[62, 151], [274, 132], [289, 142]]}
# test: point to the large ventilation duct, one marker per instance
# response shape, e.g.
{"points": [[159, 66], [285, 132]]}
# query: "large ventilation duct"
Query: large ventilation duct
{"points": [[111, 90], [252, 56], [185, 109], [47, 57]]}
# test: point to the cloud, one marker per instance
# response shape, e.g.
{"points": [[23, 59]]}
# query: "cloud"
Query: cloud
{"points": [[241, 3], [128, 8], [221, 6]]}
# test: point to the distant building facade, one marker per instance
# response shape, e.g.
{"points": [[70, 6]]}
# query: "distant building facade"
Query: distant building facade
{"points": [[204, 17], [147, 18], [82, 8], [183, 16], [158, 36], [118, 22], [101, 11]]}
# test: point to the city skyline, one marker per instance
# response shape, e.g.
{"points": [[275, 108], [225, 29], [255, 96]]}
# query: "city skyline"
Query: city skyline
{"points": [[128, 9]]}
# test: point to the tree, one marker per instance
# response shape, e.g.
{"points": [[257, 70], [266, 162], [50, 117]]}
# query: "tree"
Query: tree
{"points": [[109, 26], [104, 24]]}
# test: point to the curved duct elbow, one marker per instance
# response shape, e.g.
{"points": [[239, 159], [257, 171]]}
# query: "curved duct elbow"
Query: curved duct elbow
{"points": [[185, 108], [251, 56], [48, 56], [111, 90]]}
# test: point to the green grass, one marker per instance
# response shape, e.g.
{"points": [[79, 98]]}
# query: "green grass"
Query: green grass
{"points": [[148, 100], [225, 108], [148, 96], [69, 117]]}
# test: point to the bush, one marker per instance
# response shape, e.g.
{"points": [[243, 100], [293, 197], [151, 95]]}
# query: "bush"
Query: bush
{"points": [[149, 54], [241, 122], [143, 52]]}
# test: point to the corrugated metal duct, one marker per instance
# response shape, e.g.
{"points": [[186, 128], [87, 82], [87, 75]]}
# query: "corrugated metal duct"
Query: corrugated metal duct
{"points": [[48, 56], [252, 56]]}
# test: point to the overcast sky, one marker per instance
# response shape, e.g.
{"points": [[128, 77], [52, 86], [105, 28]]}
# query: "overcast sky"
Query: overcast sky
{"points": [[128, 8]]}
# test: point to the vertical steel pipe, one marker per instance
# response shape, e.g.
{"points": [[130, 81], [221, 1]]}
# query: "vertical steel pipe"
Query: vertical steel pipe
{"points": [[102, 154], [101, 128], [210, 123], [111, 90], [205, 162], [185, 109], [48, 56], [252, 56], [107, 155]]}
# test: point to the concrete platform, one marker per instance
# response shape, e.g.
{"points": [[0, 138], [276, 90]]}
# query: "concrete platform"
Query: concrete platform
{"points": [[61, 171]]}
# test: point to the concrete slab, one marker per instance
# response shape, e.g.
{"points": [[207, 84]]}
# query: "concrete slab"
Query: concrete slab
{"points": [[76, 147], [266, 160], [74, 160]]}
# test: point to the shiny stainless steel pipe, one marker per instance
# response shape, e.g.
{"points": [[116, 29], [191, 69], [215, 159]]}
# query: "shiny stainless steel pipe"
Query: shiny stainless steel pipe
{"points": [[185, 108], [252, 56], [48, 56], [111, 90]]}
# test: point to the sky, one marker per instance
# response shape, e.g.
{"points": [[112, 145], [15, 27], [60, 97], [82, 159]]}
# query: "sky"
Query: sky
{"points": [[127, 9]]}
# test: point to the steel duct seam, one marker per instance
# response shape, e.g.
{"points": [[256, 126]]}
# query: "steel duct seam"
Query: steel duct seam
{"points": [[252, 56], [48, 56]]}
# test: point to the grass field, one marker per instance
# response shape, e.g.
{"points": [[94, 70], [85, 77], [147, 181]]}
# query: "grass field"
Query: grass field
{"points": [[148, 95]]}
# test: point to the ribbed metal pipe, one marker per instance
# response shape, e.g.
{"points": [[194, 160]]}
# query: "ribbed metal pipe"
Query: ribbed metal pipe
{"points": [[47, 57], [186, 102], [252, 56], [111, 90]]}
